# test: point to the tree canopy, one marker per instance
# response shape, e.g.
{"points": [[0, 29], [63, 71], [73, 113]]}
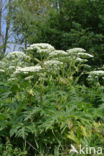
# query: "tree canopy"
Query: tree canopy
{"points": [[64, 24]]}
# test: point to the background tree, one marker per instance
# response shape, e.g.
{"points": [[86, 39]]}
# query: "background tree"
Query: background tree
{"points": [[64, 24], [1, 35], [8, 19], [5, 24], [0, 15]]}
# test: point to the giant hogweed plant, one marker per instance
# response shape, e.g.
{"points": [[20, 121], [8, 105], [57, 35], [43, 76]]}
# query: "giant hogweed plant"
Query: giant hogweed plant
{"points": [[43, 109]]}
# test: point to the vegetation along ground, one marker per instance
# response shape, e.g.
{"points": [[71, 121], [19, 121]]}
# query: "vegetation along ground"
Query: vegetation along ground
{"points": [[52, 86]]}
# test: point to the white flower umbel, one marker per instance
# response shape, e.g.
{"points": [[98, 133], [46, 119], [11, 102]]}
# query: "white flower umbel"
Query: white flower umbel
{"points": [[41, 47], [86, 66], [2, 71], [96, 73], [17, 54], [76, 50], [79, 52], [57, 52], [29, 77], [11, 67], [52, 63], [85, 55], [27, 70], [78, 59], [12, 79], [2, 63]]}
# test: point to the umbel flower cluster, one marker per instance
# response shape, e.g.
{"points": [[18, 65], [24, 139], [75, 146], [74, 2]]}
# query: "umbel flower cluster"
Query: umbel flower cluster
{"points": [[57, 53], [26, 70], [95, 75], [79, 52], [17, 54], [13, 60], [2, 71], [52, 63], [41, 47], [17, 58]]}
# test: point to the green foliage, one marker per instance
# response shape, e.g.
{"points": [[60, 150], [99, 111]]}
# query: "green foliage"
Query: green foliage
{"points": [[44, 110]]}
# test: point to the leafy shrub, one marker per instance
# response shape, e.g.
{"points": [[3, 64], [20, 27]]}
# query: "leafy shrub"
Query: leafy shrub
{"points": [[43, 106]]}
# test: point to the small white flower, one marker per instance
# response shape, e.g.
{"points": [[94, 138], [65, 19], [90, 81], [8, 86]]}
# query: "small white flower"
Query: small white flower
{"points": [[12, 79], [81, 60], [97, 73], [11, 67], [2, 71], [29, 78], [26, 70], [79, 52], [41, 47], [52, 63], [57, 52], [17, 54], [86, 66], [2, 63], [75, 50], [85, 55]]}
